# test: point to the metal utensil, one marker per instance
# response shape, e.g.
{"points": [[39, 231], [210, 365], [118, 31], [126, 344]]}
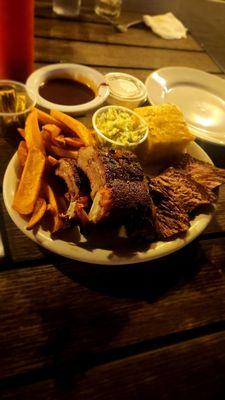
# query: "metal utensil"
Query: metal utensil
{"points": [[122, 27]]}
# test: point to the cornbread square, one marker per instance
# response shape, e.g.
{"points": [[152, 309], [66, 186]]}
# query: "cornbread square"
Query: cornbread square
{"points": [[168, 132]]}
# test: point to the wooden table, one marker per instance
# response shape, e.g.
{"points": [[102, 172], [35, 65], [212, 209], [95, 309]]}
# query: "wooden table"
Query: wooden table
{"points": [[74, 331]]}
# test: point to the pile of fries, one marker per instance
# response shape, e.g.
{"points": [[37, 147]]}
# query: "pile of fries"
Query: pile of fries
{"points": [[46, 138]]}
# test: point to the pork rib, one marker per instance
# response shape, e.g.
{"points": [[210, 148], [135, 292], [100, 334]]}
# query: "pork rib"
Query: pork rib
{"points": [[73, 176], [102, 166]]}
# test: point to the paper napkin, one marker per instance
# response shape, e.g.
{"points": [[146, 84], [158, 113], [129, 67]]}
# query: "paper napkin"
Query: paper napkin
{"points": [[166, 25]]}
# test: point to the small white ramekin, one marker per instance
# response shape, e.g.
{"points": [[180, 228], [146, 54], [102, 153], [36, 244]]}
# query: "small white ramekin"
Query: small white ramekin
{"points": [[71, 71], [112, 143], [125, 90]]}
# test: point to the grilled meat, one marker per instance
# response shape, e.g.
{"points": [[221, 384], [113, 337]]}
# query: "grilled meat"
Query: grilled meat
{"points": [[157, 208], [118, 199], [124, 203], [119, 192], [175, 195], [169, 218], [102, 166], [184, 191], [204, 173], [77, 185], [76, 181]]}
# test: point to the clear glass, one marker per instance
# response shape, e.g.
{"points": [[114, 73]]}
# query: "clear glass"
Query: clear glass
{"points": [[108, 8], [10, 121], [67, 8]]}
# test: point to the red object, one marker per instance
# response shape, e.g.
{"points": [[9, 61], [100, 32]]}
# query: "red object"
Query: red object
{"points": [[16, 39]]}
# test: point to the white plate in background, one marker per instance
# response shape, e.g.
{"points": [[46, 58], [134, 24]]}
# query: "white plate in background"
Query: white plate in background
{"points": [[200, 96], [82, 250]]}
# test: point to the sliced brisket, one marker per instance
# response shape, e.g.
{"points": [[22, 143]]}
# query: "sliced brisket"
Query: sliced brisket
{"points": [[169, 218], [175, 196], [184, 191], [204, 173]]}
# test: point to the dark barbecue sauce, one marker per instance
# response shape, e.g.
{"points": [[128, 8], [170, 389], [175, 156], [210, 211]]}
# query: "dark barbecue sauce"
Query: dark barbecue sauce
{"points": [[66, 91]]}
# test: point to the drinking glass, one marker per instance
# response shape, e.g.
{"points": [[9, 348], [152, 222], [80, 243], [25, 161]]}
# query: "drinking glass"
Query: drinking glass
{"points": [[11, 119], [67, 8], [108, 8]]}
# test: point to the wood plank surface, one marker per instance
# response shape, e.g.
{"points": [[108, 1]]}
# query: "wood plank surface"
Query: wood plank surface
{"points": [[71, 313], [50, 50], [208, 26], [203, 18], [103, 33], [138, 72], [190, 370], [19, 247]]}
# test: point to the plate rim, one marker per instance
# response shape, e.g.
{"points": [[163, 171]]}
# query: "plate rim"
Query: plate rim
{"points": [[194, 70], [179, 243]]}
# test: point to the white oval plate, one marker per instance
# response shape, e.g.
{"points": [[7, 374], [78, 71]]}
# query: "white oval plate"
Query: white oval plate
{"points": [[200, 96], [81, 250]]}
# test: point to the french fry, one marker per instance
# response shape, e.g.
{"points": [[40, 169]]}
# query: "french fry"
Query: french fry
{"points": [[21, 132], [93, 135], [59, 141], [57, 151], [52, 161], [74, 142], [46, 119], [53, 129], [22, 152], [30, 182], [33, 135], [50, 208], [47, 139], [54, 209], [38, 213], [76, 126]]}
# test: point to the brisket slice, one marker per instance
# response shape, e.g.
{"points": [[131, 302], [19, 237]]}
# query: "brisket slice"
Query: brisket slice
{"points": [[169, 217], [102, 166], [204, 173], [175, 196], [185, 191]]}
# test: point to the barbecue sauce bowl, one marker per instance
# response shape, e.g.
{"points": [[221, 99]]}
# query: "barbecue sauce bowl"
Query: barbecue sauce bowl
{"points": [[71, 88]]}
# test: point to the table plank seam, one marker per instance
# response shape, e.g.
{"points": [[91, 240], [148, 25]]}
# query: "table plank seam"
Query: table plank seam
{"points": [[64, 39], [219, 73], [209, 55], [39, 60], [212, 235], [142, 68], [24, 264], [81, 365]]}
